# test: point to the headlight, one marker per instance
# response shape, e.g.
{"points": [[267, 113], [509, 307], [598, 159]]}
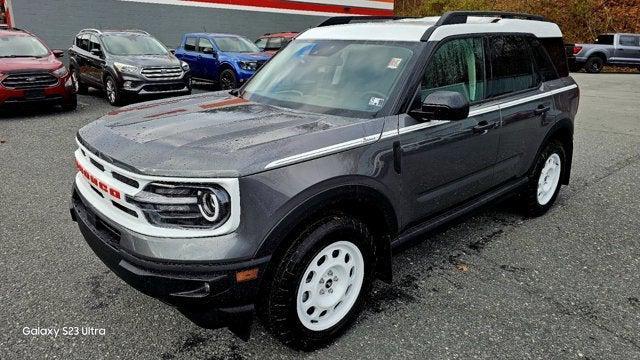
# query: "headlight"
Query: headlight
{"points": [[124, 68], [248, 65], [184, 65], [193, 206], [61, 72]]}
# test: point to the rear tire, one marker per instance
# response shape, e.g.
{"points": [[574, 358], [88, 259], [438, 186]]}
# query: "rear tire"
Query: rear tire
{"points": [[80, 87], [594, 65], [319, 286], [545, 179]]}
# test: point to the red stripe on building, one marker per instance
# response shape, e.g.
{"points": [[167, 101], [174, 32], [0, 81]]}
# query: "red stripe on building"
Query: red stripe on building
{"points": [[299, 6]]}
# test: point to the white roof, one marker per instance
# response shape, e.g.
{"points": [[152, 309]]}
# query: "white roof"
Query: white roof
{"points": [[414, 29]]}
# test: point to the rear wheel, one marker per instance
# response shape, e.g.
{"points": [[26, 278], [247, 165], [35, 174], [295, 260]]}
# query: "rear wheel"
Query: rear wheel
{"points": [[228, 80], [318, 289], [594, 65], [80, 87], [545, 179]]}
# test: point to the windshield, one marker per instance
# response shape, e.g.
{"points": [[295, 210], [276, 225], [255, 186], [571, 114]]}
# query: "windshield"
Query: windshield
{"points": [[133, 44], [235, 44], [332, 76], [22, 46]]}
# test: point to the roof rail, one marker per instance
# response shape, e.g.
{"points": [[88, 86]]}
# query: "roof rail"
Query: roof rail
{"points": [[460, 17], [92, 30], [137, 31], [341, 20]]}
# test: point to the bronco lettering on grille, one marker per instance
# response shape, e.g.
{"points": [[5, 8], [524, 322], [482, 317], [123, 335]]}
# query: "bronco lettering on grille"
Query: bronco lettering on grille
{"points": [[97, 183]]}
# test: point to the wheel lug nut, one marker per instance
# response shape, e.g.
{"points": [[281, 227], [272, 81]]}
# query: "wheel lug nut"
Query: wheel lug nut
{"points": [[330, 291], [321, 292], [335, 278], [330, 273], [321, 281]]}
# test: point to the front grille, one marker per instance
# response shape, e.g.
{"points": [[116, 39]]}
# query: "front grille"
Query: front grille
{"points": [[29, 80], [162, 73]]}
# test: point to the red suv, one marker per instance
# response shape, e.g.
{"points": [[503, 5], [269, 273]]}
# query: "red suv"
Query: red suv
{"points": [[272, 43], [31, 72]]}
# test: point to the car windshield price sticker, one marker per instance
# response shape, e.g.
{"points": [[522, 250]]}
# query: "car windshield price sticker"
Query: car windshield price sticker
{"points": [[394, 63]]}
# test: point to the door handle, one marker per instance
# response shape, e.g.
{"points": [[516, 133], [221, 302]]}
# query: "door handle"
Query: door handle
{"points": [[542, 110], [482, 127]]}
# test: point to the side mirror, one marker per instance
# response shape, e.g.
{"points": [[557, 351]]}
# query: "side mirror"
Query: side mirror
{"points": [[96, 52], [58, 53], [442, 105]]}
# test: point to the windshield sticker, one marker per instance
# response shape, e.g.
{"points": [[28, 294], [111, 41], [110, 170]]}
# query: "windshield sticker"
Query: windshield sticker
{"points": [[375, 101], [394, 63]]}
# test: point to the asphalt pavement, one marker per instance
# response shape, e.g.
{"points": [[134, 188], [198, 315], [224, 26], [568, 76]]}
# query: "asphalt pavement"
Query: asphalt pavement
{"points": [[494, 285]]}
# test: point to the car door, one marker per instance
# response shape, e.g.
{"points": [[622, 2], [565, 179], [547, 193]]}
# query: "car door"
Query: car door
{"points": [[526, 104], [447, 162], [627, 49], [189, 54], [95, 60], [208, 59]]}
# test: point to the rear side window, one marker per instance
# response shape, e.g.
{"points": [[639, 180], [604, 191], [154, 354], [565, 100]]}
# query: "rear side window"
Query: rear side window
{"points": [[544, 66], [605, 39], [261, 43], [275, 43], [190, 44], [94, 43], [627, 40], [82, 41], [511, 65], [558, 54], [457, 65]]}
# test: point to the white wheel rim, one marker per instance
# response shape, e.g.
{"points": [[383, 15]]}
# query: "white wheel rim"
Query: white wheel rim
{"points": [[549, 179], [330, 286], [74, 79]]}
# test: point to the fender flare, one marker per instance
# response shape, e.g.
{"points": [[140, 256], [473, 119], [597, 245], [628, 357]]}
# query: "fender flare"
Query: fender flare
{"points": [[564, 129], [325, 196]]}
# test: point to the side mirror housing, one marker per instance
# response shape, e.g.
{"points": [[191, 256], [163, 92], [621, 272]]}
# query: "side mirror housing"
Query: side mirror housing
{"points": [[58, 53], [442, 105]]}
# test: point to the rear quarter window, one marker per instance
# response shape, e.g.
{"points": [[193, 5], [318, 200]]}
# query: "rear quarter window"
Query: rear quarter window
{"points": [[545, 68], [557, 53]]}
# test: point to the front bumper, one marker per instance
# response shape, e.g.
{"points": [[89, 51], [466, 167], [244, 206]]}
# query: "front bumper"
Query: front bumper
{"points": [[209, 294], [62, 92], [140, 85]]}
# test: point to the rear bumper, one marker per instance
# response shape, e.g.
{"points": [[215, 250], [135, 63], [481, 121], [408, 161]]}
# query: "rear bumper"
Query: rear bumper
{"points": [[207, 293]]}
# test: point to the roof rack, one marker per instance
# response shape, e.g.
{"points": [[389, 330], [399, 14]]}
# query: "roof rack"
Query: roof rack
{"points": [[92, 30], [342, 20], [460, 17], [135, 30]]}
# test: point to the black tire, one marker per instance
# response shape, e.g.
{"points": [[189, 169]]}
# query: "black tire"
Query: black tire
{"points": [[536, 205], [227, 80], [71, 104], [114, 95], [279, 306], [594, 65], [81, 88]]}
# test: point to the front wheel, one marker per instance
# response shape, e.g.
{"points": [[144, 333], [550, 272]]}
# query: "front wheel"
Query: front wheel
{"points": [[545, 179], [318, 289], [114, 95], [228, 80], [70, 104]]}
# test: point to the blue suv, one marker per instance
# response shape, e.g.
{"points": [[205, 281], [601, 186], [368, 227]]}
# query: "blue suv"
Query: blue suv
{"points": [[228, 60]]}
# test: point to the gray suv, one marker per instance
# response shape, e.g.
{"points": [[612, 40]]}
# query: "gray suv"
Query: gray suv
{"points": [[286, 197]]}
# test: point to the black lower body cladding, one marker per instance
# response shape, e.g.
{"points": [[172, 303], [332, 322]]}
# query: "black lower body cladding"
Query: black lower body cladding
{"points": [[207, 293]]}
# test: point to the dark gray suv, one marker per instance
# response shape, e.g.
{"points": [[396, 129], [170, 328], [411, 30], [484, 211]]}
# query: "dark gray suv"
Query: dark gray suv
{"points": [[287, 197]]}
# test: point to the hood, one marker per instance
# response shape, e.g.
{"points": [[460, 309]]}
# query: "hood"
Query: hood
{"points": [[149, 60], [259, 56], [29, 64], [212, 135]]}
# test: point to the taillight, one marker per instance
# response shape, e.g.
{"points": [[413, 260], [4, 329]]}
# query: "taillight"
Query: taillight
{"points": [[576, 50]]}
